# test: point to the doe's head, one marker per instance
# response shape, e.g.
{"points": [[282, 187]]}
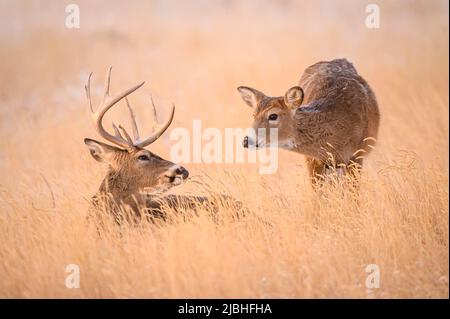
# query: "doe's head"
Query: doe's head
{"points": [[271, 113]]}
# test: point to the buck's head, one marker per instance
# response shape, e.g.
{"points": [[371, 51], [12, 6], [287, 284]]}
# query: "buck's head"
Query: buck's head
{"points": [[132, 167], [272, 113]]}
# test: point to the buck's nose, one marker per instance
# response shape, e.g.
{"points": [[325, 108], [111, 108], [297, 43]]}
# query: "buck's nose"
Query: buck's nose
{"points": [[176, 174], [182, 171]]}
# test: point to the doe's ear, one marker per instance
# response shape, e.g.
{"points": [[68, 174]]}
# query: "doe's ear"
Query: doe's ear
{"points": [[294, 97], [101, 152], [251, 96]]}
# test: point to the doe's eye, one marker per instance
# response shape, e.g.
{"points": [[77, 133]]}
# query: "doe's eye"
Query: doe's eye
{"points": [[143, 158], [273, 117]]}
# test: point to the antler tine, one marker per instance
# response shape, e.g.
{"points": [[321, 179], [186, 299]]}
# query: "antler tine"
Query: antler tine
{"points": [[162, 128], [87, 88], [133, 121], [155, 116], [127, 136], [107, 104], [107, 82], [116, 131]]}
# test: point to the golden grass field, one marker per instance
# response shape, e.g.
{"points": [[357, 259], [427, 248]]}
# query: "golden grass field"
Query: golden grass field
{"points": [[195, 54]]}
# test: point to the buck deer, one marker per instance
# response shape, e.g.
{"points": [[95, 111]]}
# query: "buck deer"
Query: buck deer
{"points": [[134, 173], [331, 113]]}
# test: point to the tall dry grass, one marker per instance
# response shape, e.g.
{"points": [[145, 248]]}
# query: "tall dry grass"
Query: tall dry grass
{"points": [[196, 54]]}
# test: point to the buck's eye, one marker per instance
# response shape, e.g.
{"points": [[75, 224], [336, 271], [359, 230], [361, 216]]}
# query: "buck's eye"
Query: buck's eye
{"points": [[273, 117], [143, 158]]}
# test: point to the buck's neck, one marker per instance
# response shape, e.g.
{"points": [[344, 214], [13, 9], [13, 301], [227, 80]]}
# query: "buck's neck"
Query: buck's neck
{"points": [[119, 187]]}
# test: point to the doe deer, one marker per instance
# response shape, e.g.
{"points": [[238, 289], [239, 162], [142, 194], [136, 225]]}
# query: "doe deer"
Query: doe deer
{"points": [[134, 173], [333, 113]]}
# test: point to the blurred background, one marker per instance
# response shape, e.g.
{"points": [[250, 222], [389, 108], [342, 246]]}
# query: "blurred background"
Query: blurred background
{"points": [[195, 54]]}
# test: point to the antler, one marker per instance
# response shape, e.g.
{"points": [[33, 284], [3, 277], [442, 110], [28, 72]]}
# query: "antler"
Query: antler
{"points": [[108, 102]]}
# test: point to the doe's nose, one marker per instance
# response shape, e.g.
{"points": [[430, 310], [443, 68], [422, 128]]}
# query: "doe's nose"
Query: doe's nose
{"points": [[248, 143], [245, 142]]}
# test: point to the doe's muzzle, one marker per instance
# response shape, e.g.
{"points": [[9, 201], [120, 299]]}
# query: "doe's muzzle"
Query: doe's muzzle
{"points": [[245, 142], [248, 142]]}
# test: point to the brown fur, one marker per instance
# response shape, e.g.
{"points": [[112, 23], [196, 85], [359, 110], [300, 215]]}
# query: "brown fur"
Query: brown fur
{"points": [[130, 179], [331, 113], [138, 186]]}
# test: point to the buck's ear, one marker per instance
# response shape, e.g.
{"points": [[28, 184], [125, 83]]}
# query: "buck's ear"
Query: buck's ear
{"points": [[101, 152], [294, 97], [251, 96]]}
